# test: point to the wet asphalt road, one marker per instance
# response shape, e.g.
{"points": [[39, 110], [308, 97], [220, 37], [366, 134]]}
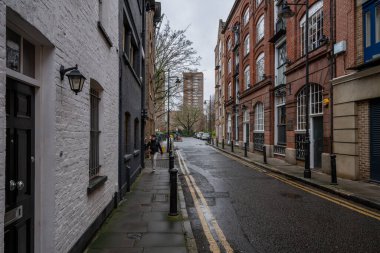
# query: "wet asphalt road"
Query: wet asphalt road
{"points": [[258, 213]]}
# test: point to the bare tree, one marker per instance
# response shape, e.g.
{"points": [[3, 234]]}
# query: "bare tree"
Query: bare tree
{"points": [[187, 117], [174, 53]]}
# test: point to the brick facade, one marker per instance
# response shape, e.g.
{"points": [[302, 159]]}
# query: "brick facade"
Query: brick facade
{"points": [[364, 140], [259, 90]]}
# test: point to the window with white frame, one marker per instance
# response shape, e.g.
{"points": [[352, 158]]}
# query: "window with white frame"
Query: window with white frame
{"points": [[229, 66], [258, 2], [246, 126], [260, 68], [247, 74], [246, 17], [260, 29], [316, 98], [246, 45], [229, 91], [315, 104], [315, 27], [259, 117], [229, 44]]}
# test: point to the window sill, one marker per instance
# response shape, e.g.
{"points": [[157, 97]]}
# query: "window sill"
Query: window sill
{"points": [[126, 59], [96, 183], [104, 33], [128, 157], [136, 153]]}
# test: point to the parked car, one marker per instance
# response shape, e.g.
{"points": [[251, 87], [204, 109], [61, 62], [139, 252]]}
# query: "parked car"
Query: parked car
{"points": [[205, 136], [199, 135]]}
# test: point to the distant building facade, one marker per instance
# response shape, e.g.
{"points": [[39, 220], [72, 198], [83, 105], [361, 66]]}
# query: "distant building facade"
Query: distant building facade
{"points": [[193, 89], [219, 96]]}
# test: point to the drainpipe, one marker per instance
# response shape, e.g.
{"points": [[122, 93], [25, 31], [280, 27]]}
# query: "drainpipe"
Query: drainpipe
{"points": [[332, 62]]}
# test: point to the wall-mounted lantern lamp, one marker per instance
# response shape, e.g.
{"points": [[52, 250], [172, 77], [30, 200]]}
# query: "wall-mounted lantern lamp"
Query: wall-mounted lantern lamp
{"points": [[76, 79]]}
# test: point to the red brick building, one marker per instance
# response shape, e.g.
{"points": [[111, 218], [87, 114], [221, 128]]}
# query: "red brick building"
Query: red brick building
{"points": [[248, 74], [265, 79]]}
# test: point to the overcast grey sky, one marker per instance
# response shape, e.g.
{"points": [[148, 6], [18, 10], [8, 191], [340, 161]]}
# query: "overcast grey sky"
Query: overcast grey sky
{"points": [[202, 17]]}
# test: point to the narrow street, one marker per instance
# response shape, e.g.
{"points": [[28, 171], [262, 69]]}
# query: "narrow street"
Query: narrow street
{"points": [[233, 207]]}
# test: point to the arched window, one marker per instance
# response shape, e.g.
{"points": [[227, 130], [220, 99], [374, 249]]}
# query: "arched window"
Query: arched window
{"points": [[260, 67], [259, 117], [246, 45], [246, 16], [229, 44], [315, 27], [315, 104], [260, 29], [247, 80], [229, 66]]}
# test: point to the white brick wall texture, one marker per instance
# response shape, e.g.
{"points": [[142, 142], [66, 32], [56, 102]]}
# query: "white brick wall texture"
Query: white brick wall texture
{"points": [[71, 26]]}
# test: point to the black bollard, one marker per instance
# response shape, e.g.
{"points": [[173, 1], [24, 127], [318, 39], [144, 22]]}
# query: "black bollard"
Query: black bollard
{"points": [[217, 142], [245, 149], [232, 146], [333, 169], [173, 192], [223, 143], [265, 154]]}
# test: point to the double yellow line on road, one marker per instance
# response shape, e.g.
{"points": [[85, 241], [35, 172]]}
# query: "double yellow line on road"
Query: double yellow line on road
{"points": [[203, 210], [310, 190]]}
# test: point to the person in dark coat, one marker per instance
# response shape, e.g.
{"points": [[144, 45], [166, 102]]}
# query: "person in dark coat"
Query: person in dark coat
{"points": [[154, 147]]}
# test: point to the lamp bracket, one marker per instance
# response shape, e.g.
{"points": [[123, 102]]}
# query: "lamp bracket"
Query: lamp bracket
{"points": [[63, 71]]}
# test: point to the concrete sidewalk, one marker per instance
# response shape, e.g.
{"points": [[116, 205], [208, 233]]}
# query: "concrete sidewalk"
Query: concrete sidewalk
{"points": [[362, 192], [141, 222]]}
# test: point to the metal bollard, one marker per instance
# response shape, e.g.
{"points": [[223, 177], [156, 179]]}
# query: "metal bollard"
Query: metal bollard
{"points": [[265, 154], [245, 149], [173, 192], [333, 169], [232, 146], [223, 143], [171, 160], [217, 142]]}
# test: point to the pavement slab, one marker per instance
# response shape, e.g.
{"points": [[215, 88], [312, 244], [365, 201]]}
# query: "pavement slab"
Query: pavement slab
{"points": [[141, 223]]}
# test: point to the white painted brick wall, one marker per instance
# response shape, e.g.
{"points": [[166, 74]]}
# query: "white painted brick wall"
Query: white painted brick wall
{"points": [[72, 28], [2, 122]]}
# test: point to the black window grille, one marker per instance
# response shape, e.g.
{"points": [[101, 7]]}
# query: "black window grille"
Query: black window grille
{"points": [[300, 146], [94, 133], [279, 150], [258, 141]]}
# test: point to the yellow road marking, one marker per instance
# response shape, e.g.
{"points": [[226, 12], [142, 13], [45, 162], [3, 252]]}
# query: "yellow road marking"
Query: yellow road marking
{"points": [[213, 245], [215, 224], [320, 194]]}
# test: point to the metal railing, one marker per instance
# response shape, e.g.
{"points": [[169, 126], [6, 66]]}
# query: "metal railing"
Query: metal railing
{"points": [[300, 146], [258, 141]]}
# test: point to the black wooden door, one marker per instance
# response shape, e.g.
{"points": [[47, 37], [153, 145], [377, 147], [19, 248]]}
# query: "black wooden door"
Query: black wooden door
{"points": [[375, 139], [19, 194], [318, 141]]}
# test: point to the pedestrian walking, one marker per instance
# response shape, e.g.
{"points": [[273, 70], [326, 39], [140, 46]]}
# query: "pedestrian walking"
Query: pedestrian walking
{"points": [[154, 147]]}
